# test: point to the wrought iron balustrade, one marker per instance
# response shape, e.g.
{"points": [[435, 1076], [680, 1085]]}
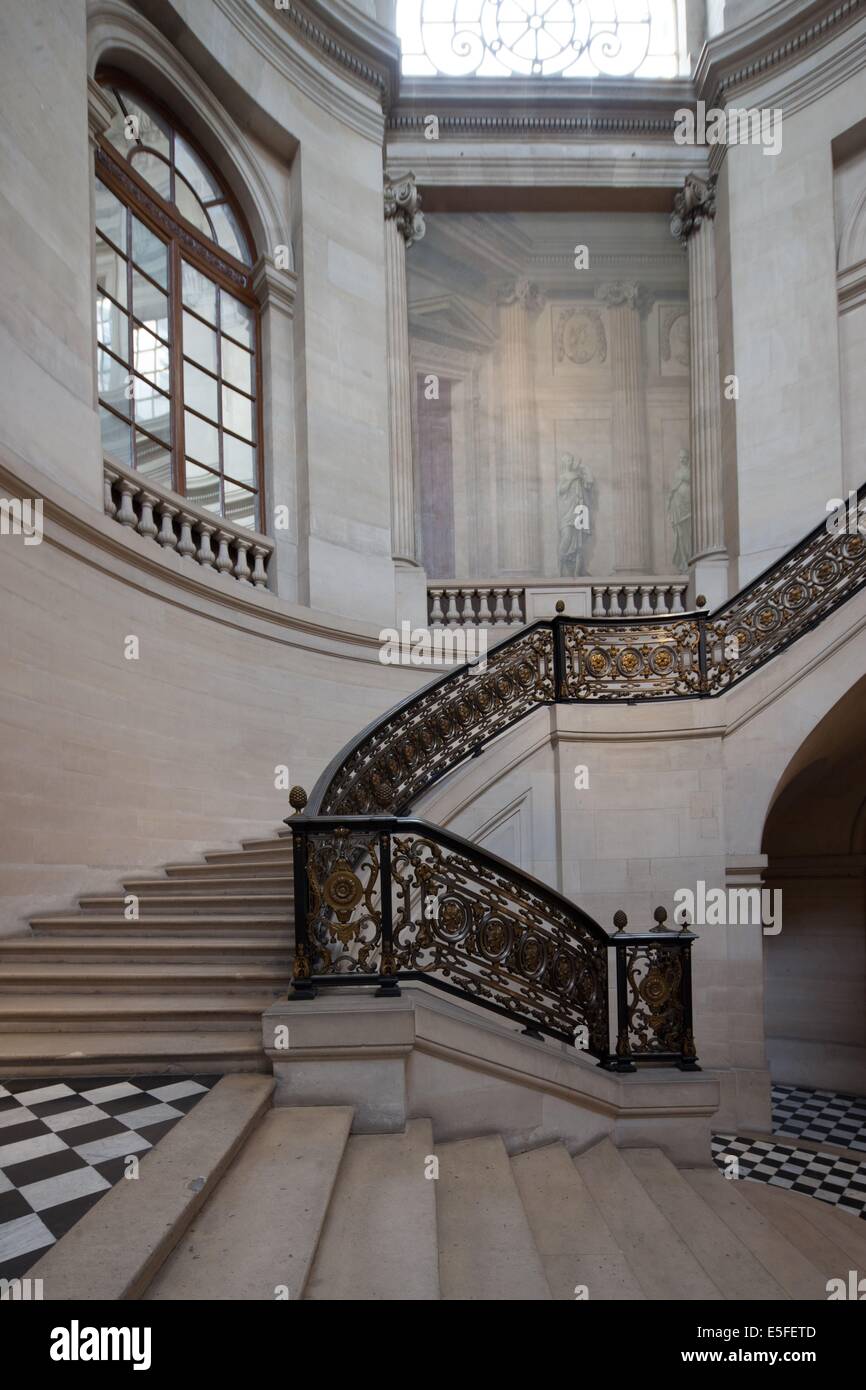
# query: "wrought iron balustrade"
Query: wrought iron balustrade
{"points": [[381, 897]]}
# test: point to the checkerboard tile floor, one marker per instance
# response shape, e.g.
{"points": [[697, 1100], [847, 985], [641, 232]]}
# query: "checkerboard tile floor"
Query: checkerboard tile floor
{"points": [[826, 1116], [64, 1143], [828, 1177]]}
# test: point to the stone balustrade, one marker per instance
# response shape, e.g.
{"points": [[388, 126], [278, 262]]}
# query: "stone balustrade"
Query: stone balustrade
{"points": [[176, 524], [499, 605]]}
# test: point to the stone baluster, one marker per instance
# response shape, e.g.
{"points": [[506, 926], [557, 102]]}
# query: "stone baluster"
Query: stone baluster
{"points": [[204, 554], [677, 591], [223, 560], [146, 524], [646, 607], [467, 617], [436, 615], [630, 610], [693, 224], [166, 537], [499, 614], [186, 545], [514, 617], [452, 617], [598, 610], [109, 503], [483, 608], [661, 598], [241, 570], [260, 578], [126, 511]]}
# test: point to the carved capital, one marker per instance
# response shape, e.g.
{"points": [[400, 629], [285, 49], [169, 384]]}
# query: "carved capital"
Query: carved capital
{"points": [[100, 110], [403, 204], [636, 297], [695, 201], [522, 292]]}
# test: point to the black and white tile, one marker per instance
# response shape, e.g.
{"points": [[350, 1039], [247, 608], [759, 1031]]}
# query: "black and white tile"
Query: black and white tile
{"points": [[830, 1178], [829, 1117], [64, 1143]]}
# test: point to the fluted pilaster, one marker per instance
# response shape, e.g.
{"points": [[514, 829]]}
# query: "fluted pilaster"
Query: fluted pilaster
{"points": [[626, 303], [517, 474], [404, 224]]}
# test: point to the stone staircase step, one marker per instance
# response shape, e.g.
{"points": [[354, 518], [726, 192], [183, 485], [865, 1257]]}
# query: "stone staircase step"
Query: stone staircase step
{"points": [[729, 1263], [211, 924], [219, 884], [188, 946], [662, 1263], [378, 1242], [842, 1227], [92, 1013], [118, 1245], [274, 842], [570, 1233], [129, 1053], [276, 854], [797, 1275], [261, 1227], [486, 1246], [821, 1250], [247, 865], [127, 976], [192, 903]]}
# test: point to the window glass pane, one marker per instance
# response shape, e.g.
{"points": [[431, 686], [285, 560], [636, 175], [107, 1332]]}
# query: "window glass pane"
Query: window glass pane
{"points": [[189, 206], [110, 272], [199, 293], [113, 381], [203, 488], [149, 253], [115, 438], [240, 506], [237, 413], [150, 305], [199, 391], [228, 232], [152, 410], [151, 357], [237, 319], [112, 327], [199, 342], [239, 460], [110, 215], [155, 170], [194, 171], [152, 459], [237, 366], [146, 127], [202, 440]]}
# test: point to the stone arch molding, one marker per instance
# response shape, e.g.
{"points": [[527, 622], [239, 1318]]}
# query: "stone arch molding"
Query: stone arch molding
{"points": [[852, 243], [118, 35]]}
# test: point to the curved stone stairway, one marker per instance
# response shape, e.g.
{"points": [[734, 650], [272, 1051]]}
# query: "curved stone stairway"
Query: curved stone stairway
{"points": [[294, 1206], [180, 989]]}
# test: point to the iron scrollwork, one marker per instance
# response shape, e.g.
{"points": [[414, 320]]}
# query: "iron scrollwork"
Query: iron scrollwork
{"points": [[628, 660]]}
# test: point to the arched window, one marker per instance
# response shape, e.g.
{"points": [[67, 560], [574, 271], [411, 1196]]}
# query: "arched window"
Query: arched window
{"points": [[177, 321]]}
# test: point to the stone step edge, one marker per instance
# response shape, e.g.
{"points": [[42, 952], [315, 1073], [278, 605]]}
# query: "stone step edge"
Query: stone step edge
{"points": [[116, 1248]]}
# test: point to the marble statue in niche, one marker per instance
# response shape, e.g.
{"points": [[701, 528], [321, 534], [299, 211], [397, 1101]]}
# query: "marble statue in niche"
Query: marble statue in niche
{"points": [[680, 513], [577, 491]]}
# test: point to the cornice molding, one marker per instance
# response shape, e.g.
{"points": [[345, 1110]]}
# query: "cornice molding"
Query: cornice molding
{"points": [[347, 38], [777, 38]]}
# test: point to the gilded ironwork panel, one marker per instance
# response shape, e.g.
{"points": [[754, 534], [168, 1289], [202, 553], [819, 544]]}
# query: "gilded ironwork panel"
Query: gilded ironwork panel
{"points": [[344, 917], [783, 604], [656, 1018], [420, 742], [497, 939], [623, 660]]}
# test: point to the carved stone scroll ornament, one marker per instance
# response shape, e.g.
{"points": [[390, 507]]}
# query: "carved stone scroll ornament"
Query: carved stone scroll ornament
{"points": [[695, 201], [403, 204]]}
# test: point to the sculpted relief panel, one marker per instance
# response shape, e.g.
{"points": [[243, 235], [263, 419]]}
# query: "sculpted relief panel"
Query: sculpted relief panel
{"points": [[541, 392]]}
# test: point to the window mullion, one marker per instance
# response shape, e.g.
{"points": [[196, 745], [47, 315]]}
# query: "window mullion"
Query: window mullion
{"points": [[176, 315]]}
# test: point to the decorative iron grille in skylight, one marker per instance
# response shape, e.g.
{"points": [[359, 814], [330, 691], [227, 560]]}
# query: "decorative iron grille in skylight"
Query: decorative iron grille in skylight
{"points": [[528, 38]]}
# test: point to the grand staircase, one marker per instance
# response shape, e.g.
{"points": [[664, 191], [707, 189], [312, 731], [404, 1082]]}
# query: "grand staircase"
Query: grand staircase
{"points": [[307, 1210], [182, 988]]}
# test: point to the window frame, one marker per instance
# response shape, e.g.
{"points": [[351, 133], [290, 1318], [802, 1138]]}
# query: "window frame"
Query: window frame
{"points": [[185, 242]]}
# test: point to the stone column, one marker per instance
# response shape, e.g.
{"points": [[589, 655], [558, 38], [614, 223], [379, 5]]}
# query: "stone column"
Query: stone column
{"points": [[518, 518], [404, 225], [693, 223], [626, 304]]}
